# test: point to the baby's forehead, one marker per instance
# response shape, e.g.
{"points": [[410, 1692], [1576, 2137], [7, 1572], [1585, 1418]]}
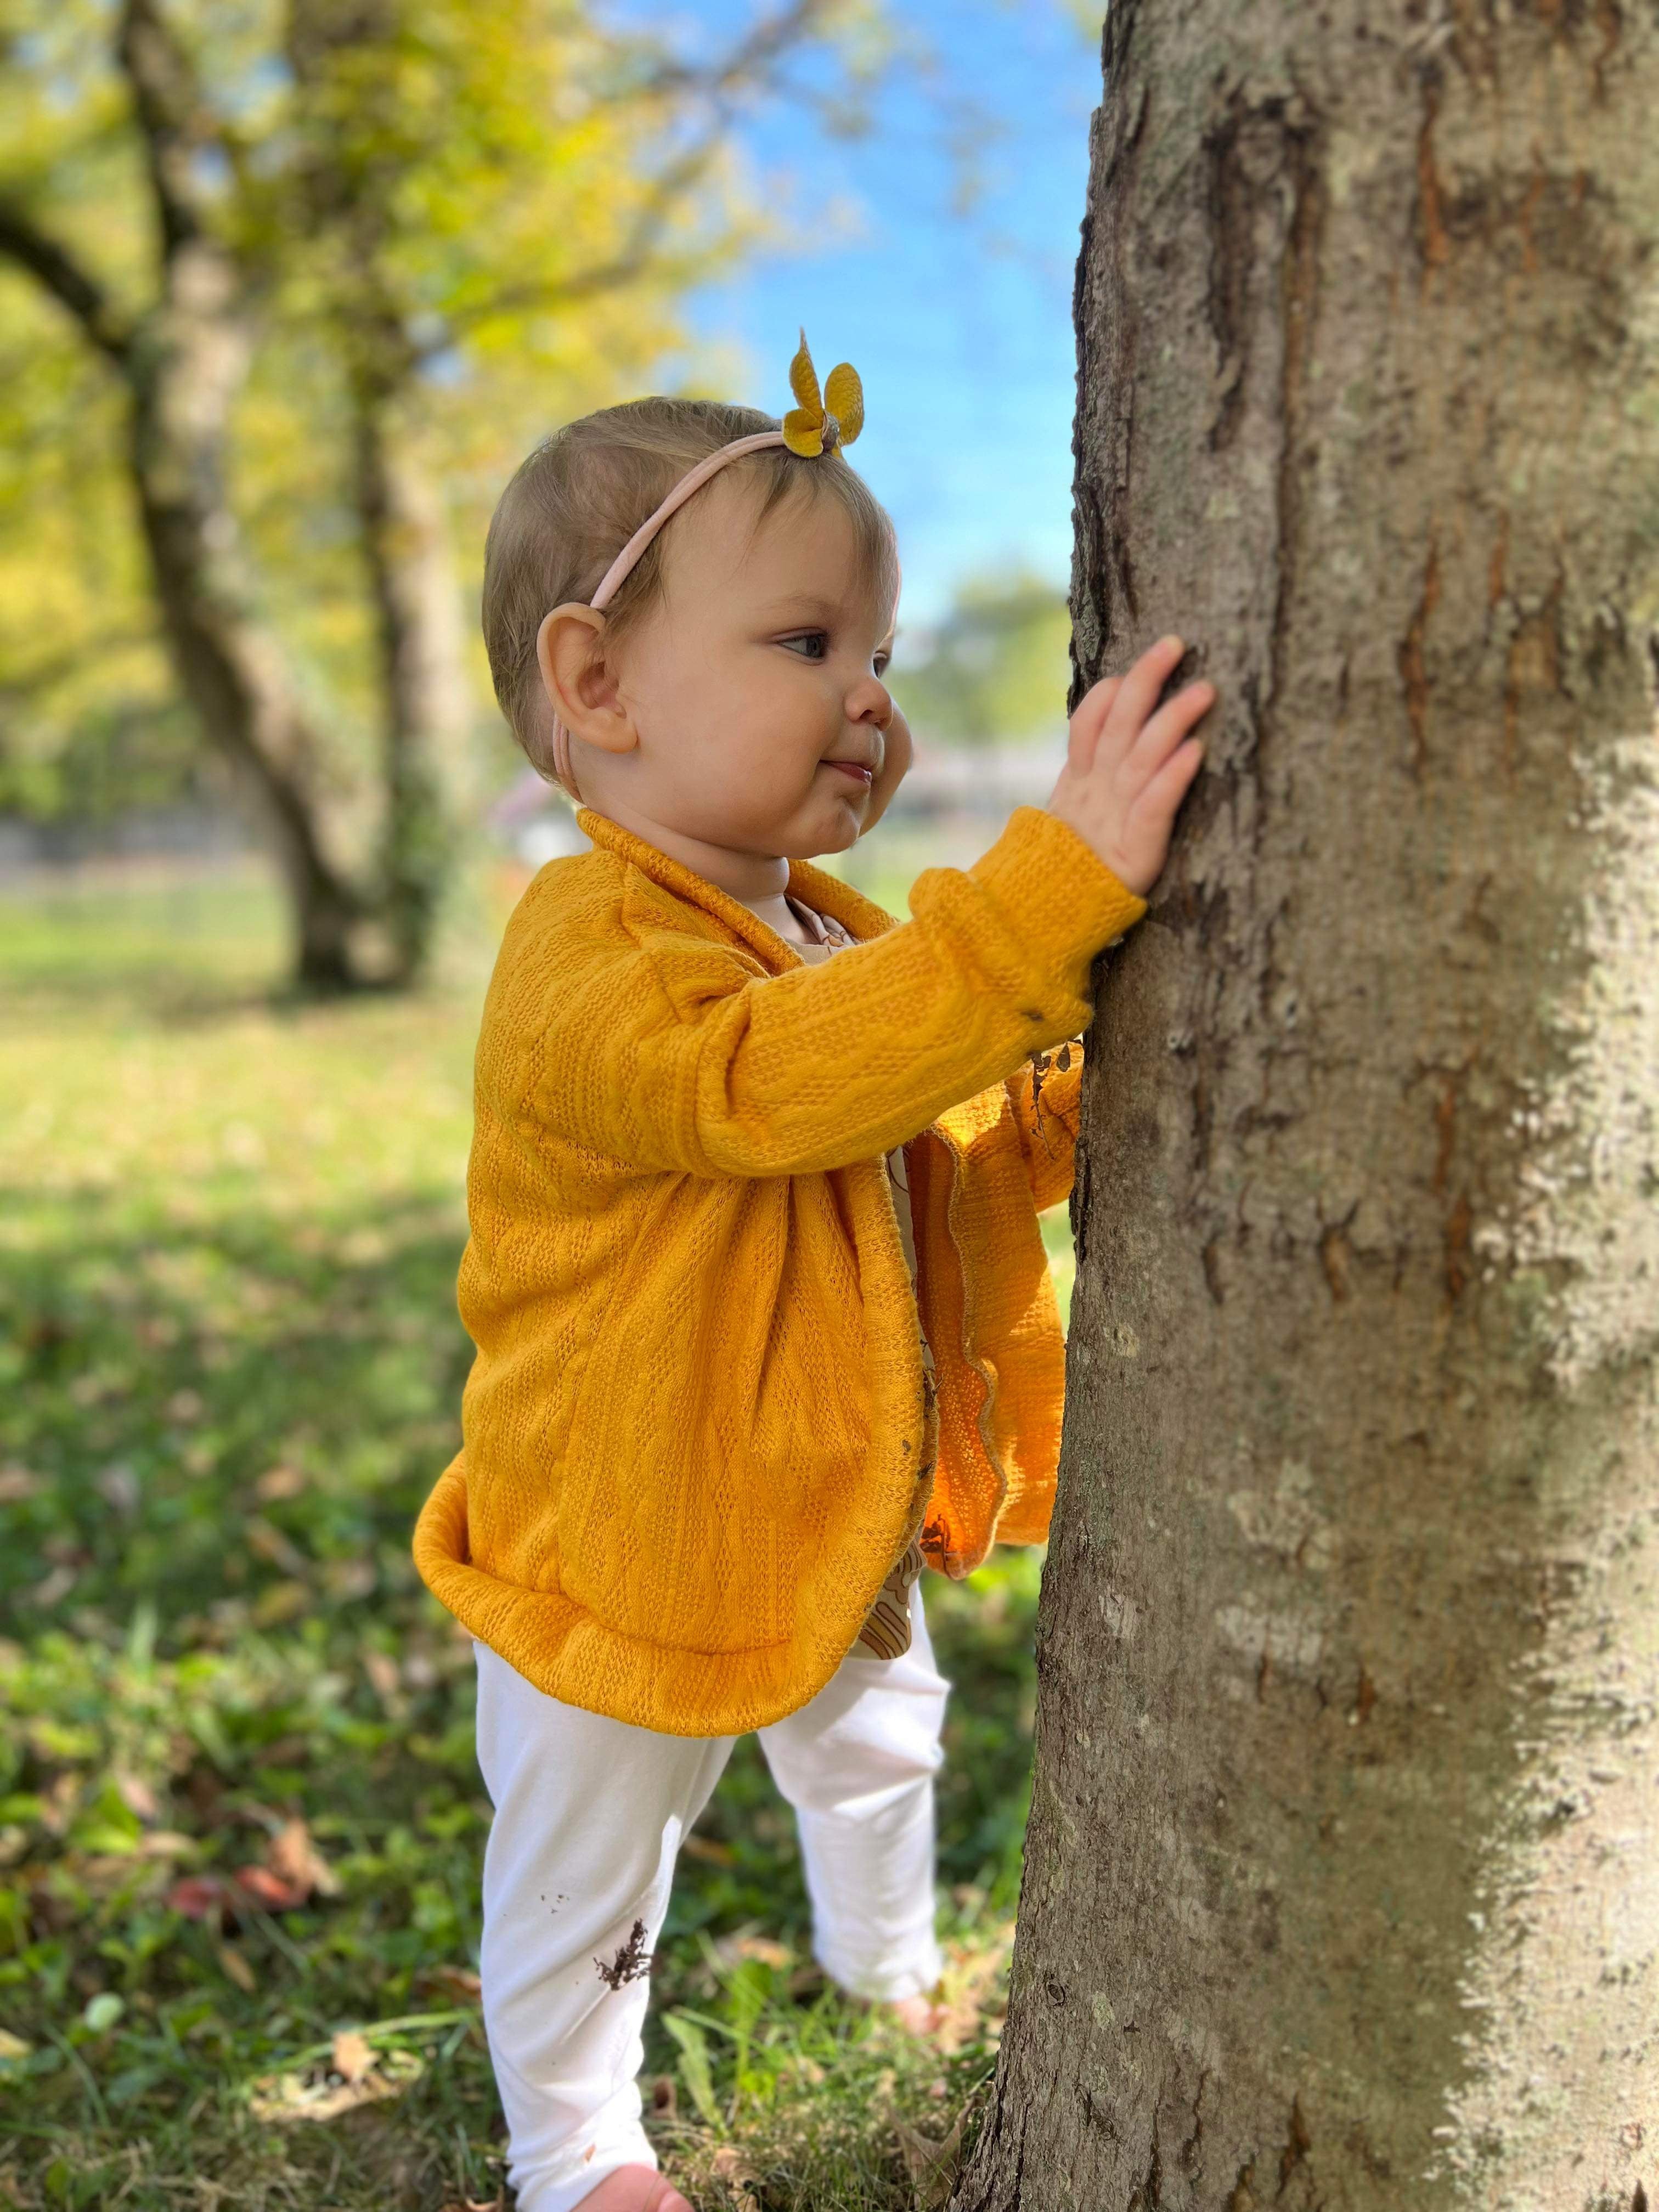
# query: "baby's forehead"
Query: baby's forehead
{"points": [[802, 559]]}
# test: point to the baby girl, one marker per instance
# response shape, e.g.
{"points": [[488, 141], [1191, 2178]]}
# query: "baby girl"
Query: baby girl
{"points": [[763, 1318]]}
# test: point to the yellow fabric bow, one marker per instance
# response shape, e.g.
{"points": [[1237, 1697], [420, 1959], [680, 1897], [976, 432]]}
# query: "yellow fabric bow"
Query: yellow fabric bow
{"points": [[820, 423]]}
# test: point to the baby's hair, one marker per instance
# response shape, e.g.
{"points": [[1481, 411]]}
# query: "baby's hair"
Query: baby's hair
{"points": [[575, 501]]}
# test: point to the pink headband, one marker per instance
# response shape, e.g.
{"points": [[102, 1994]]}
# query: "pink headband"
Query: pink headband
{"points": [[809, 429], [692, 481]]}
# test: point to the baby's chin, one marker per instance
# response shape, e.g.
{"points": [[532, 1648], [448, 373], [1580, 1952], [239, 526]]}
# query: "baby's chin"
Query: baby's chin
{"points": [[845, 827], [819, 824], [812, 828], [858, 819]]}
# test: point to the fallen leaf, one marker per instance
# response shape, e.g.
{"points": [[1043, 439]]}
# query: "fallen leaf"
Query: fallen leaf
{"points": [[164, 1844], [256, 1815], [293, 1857], [455, 1981], [347, 1580], [706, 1847], [136, 1794], [279, 1602], [738, 2170], [967, 2006], [61, 1799], [235, 1964], [353, 2055], [298, 2096], [265, 1539], [56, 1587], [933, 2166], [748, 1943], [769, 1953], [279, 1482], [120, 1486], [202, 1896], [269, 1891]]}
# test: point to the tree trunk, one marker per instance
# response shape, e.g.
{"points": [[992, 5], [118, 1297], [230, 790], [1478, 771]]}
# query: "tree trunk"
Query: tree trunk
{"points": [[423, 687], [1340, 1884], [184, 366]]}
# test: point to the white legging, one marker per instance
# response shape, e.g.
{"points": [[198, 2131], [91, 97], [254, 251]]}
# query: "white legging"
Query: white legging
{"points": [[589, 1817]]}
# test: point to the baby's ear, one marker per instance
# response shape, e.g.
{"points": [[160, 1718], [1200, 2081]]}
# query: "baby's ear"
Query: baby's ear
{"points": [[578, 686]]}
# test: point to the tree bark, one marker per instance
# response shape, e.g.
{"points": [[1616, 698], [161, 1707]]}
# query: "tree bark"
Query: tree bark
{"points": [[423, 687], [1340, 1884], [184, 361], [184, 368]]}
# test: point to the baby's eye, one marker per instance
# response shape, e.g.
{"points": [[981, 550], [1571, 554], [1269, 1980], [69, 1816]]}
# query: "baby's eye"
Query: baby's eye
{"points": [[815, 641]]}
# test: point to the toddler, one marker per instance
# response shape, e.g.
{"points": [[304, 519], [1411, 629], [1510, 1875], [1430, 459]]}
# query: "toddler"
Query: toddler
{"points": [[763, 1313]]}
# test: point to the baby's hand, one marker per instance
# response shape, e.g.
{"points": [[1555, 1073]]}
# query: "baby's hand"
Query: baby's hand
{"points": [[1126, 770]]}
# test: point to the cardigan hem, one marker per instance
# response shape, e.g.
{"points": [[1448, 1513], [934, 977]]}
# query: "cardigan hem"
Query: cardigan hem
{"points": [[562, 1650]]}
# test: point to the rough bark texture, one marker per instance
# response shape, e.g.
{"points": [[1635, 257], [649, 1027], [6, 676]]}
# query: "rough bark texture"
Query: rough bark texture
{"points": [[184, 361], [426, 708], [184, 369], [1342, 1879]]}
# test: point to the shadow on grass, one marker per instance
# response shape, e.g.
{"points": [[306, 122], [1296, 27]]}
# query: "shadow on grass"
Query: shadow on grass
{"points": [[233, 1417]]}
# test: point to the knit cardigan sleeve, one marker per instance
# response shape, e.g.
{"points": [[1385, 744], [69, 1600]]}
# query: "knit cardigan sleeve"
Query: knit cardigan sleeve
{"points": [[670, 1050], [1047, 1106]]}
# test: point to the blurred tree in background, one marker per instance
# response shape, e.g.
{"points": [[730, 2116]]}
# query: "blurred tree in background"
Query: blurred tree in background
{"points": [[286, 287], [995, 668]]}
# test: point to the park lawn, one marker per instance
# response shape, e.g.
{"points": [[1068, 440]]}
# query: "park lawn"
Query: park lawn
{"points": [[241, 1820]]}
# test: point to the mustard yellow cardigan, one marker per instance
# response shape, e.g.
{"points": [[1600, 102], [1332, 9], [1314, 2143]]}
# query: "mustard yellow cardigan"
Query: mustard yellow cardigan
{"points": [[695, 1434]]}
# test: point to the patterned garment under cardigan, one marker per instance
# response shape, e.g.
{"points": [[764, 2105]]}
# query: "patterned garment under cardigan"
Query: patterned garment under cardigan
{"points": [[886, 1629]]}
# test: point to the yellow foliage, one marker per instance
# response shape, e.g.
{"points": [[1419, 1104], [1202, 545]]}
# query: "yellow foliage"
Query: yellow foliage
{"points": [[471, 207]]}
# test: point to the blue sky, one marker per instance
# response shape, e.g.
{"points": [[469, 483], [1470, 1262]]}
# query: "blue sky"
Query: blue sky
{"points": [[959, 323]]}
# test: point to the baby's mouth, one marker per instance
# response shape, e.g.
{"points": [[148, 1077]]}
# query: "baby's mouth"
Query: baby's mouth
{"points": [[855, 769]]}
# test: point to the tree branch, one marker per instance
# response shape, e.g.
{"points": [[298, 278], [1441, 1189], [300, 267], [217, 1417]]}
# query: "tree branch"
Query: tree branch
{"points": [[174, 120], [745, 63], [28, 683], [58, 271], [627, 267], [752, 55], [748, 63]]}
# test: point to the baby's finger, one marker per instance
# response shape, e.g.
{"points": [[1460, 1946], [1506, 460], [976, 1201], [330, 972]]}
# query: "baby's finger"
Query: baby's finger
{"points": [[1088, 721], [1138, 693], [1164, 792], [1171, 723]]}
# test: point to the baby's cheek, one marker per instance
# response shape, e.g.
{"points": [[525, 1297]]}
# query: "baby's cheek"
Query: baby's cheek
{"points": [[897, 754]]}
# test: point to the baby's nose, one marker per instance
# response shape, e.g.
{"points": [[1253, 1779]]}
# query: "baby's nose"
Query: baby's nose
{"points": [[871, 701]]}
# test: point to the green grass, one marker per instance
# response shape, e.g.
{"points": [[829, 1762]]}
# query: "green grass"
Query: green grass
{"points": [[230, 1367]]}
